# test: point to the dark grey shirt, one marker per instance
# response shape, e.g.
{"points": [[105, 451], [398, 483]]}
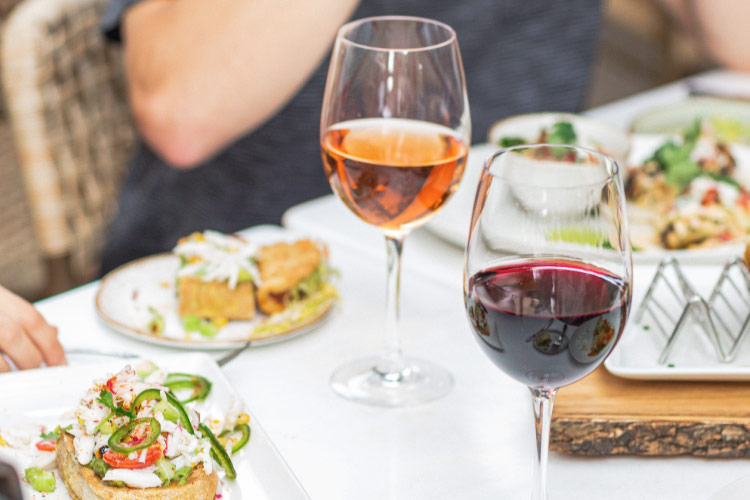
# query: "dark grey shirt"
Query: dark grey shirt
{"points": [[519, 56]]}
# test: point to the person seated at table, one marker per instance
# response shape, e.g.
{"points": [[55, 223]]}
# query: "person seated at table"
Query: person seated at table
{"points": [[227, 97], [26, 339]]}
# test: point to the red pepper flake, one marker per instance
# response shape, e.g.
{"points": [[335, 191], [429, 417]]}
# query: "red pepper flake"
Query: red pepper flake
{"points": [[135, 294]]}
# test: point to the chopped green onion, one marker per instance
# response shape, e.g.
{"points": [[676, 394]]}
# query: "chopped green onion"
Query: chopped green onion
{"points": [[41, 480]]}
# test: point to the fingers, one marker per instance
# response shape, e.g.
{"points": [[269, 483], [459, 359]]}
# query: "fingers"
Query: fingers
{"points": [[25, 336], [17, 345], [4, 366], [44, 338]]}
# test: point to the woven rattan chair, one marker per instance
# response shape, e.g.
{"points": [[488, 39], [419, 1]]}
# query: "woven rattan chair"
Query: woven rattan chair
{"points": [[65, 94], [21, 265]]}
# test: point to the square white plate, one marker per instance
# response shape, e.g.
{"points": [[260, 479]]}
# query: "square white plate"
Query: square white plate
{"points": [[693, 356], [42, 396]]}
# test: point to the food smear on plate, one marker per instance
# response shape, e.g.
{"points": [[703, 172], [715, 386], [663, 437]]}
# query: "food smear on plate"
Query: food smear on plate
{"points": [[223, 278], [137, 429], [688, 193]]}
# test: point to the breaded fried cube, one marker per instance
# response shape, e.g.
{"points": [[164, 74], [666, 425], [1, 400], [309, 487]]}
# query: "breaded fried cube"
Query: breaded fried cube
{"points": [[281, 267], [215, 300]]}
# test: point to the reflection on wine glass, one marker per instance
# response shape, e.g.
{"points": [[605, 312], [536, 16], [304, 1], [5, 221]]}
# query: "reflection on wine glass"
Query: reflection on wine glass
{"points": [[547, 278], [394, 136]]}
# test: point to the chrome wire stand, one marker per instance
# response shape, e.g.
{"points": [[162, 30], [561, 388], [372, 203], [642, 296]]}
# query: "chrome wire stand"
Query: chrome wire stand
{"points": [[671, 302]]}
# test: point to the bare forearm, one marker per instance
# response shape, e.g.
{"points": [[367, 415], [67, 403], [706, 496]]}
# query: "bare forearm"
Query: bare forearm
{"points": [[719, 26], [203, 73]]}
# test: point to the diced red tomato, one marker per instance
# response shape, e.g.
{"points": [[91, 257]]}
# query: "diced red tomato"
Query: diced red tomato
{"points": [[711, 197], [744, 199], [110, 385], [121, 461], [47, 445]]}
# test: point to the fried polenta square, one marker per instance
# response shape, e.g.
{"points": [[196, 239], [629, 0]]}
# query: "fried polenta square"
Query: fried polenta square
{"points": [[215, 300], [281, 267]]}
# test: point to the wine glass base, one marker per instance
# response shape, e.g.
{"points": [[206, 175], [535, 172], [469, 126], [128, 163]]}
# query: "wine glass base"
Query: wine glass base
{"points": [[418, 382]]}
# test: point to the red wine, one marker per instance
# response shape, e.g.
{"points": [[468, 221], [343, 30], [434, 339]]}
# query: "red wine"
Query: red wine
{"points": [[547, 323]]}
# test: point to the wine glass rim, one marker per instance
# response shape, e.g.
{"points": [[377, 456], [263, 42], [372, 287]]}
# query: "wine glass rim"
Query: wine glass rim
{"points": [[348, 27], [608, 160]]}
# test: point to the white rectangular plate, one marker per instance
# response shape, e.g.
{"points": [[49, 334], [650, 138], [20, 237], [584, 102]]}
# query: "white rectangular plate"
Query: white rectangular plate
{"points": [[42, 396], [693, 356]]}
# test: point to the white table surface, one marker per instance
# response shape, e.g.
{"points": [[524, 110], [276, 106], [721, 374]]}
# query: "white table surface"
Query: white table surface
{"points": [[476, 443]]}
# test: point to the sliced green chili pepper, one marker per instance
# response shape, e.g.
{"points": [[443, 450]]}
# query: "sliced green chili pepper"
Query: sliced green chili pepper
{"points": [[244, 431], [218, 452], [116, 439], [199, 385], [156, 394]]}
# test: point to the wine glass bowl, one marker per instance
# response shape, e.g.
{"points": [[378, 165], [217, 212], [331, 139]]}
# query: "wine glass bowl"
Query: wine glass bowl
{"points": [[394, 137], [548, 266]]}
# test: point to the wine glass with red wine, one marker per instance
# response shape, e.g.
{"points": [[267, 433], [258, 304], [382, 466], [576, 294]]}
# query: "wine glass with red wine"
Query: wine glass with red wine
{"points": [[394, 135], [547, 278]]}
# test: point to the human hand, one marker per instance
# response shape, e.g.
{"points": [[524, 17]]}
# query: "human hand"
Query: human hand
{"points": [[25, 337]]}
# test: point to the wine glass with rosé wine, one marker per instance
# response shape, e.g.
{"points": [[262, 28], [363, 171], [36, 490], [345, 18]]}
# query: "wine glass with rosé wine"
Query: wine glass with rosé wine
{"points": [[394, 136], [548, 266]]}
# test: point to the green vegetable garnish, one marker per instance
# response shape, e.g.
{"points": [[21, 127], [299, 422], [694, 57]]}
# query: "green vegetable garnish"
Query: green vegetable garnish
{"points": [[51, 435], [674, 159], [41, 480], [198, 386], [149, 394], [507, 142], [165, 470], [205, 327], [99, 466], [182, 474], [244, 276], [145, 369], [105, 398], [580, 235], [117, 439], [218, 452], [156, 323], [562, 133], [244, 431]]}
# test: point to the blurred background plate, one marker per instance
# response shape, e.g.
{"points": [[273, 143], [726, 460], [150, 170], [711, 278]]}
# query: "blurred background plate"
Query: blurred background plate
{"points": [[730, 118]]}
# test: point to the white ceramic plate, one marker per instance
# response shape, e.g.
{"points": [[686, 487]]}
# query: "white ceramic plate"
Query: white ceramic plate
{"points": [[261, 471], [452, 223], [673, 118], [126, 296], [693, 356]]}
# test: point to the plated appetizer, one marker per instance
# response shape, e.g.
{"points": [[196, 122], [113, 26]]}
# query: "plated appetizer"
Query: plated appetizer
{"points": [[216, 290], [223, 277], [561, 128], [688, 193], [137, 434]]}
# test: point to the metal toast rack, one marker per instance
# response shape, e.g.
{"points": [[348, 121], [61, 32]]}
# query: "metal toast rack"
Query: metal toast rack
{"points": [[674, 307]]}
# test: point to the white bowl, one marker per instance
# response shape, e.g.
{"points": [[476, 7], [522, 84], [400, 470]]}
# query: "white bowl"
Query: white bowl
{"points": [[592, 133]]}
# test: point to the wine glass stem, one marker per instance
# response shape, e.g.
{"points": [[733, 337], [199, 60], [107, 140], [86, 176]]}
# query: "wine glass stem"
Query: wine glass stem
{"points": [[542, 401], [391, 364]]}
